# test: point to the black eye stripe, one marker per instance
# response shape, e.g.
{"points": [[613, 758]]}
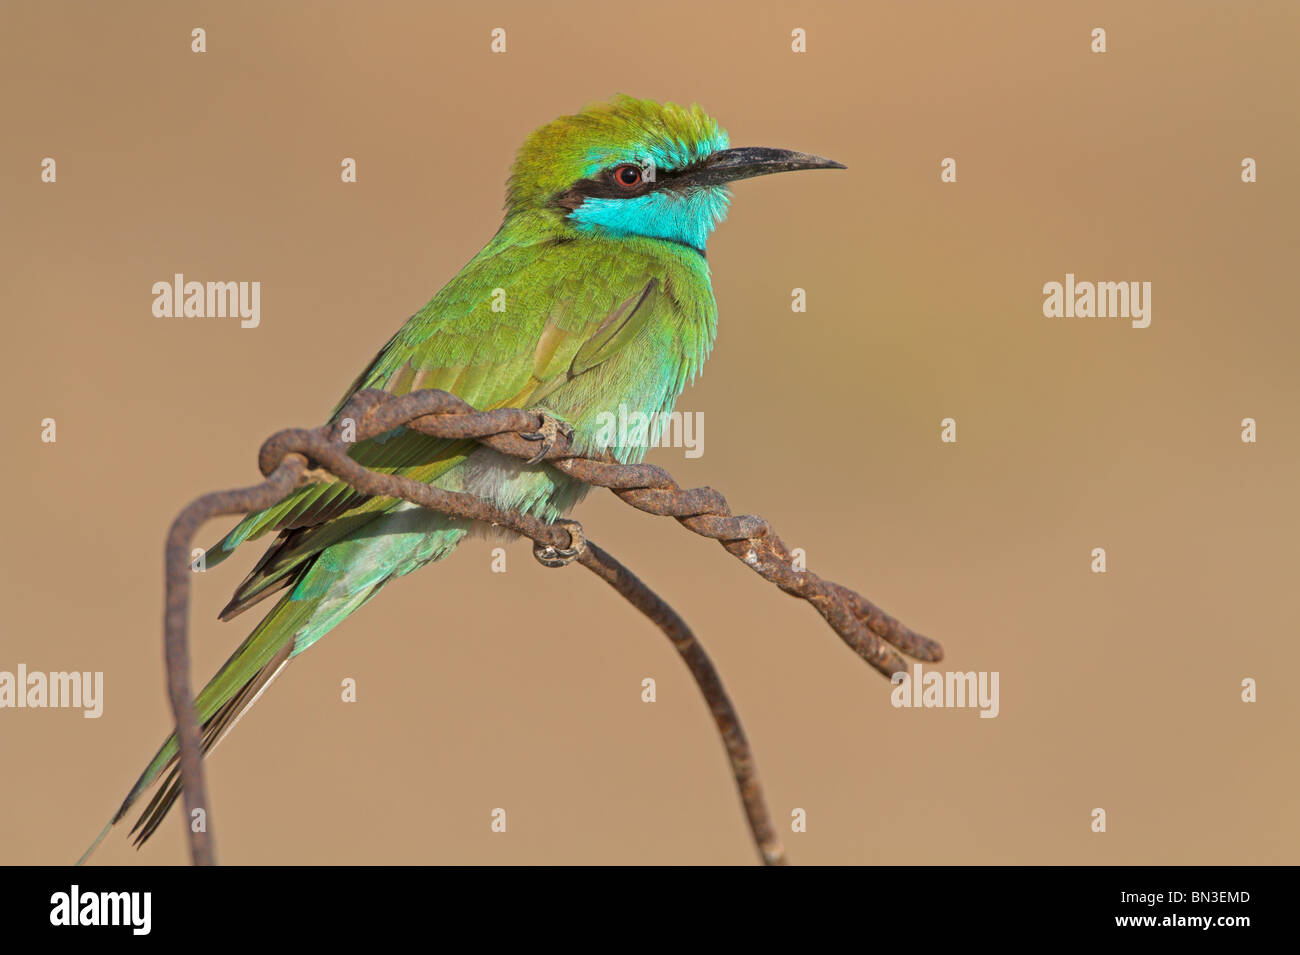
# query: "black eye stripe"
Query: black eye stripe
{"points": [[604, 186]]}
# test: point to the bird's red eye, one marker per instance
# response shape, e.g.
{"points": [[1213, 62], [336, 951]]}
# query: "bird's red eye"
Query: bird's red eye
{"points": [[627, 175]]}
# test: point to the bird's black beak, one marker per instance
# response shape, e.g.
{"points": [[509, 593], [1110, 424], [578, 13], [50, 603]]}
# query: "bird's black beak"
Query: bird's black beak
{"points": [[746, 162]]}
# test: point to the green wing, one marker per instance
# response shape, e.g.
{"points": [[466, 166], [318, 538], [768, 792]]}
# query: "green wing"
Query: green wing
{"points": [[515, 324]]}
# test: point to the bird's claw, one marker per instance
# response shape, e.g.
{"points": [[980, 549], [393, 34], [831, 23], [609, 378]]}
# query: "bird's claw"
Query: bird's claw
{"points": [[550, 556], [551, 428]]}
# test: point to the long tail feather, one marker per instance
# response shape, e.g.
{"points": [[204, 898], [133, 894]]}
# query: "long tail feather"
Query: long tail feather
{"points": [[214, 731], [324, 593], [221, 704]]}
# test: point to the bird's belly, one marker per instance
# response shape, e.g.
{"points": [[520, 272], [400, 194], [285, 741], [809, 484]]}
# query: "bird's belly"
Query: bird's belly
{"points": [[512, 485], [617, 407]]}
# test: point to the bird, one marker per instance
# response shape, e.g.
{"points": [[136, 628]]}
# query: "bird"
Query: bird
{"points": [[594, 294]]}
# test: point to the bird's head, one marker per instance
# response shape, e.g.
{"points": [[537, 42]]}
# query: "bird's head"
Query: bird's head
{"points": [[634, 167]]}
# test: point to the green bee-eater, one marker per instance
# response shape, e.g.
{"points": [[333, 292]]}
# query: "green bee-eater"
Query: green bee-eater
{"points": [[594, 293]]}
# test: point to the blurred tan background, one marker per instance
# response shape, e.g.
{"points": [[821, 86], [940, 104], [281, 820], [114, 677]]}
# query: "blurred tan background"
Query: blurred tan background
{"points": [[1119, 691]]}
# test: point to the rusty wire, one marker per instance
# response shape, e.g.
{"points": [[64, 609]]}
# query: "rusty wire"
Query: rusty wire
{"points": [[297, 456]]}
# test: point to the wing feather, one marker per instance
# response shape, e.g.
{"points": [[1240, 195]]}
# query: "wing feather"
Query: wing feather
{"points": [[457, 342]]}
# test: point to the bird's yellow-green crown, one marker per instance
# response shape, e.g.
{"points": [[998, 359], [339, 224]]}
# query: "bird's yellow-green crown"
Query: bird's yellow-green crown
{"points": [[625, 129]]}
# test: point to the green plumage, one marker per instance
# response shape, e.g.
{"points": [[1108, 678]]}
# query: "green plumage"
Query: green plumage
{"points": [[592, 295]]}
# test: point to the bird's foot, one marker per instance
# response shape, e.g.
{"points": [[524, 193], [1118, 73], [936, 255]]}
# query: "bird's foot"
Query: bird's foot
{"points": [[550, 556], [551, 428]]}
